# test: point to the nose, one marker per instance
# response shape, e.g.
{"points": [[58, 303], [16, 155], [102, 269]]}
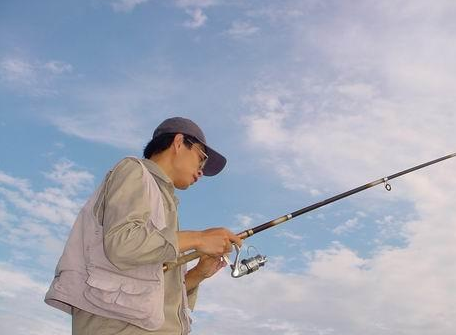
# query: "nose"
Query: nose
{"points": [[200, 173]]}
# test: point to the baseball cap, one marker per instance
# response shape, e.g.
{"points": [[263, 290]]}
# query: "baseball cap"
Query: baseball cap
{"points": [[215, 162]]}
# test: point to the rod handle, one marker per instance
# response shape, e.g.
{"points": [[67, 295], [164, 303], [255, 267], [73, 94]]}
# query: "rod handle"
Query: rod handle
{"points": [[196, 254], [182, 260]]}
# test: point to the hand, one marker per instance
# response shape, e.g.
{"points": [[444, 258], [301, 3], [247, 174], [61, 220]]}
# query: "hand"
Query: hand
{"points": [[217, 241], [208, 266]]}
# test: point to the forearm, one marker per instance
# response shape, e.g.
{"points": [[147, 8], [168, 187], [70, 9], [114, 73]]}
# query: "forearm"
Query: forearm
{"points": [[213, 241], [188, 240], [193, 278]]}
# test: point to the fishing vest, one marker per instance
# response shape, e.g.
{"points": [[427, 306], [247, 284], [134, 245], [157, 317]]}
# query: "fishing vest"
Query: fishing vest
{"points": [[86, 279]]}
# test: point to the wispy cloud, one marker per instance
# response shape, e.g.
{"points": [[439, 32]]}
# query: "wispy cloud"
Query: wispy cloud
{"points": [[284, 12], [197, 3], [244, 221], [290, 235], [370, 110], [38, 221], [53, 204], [356, 133], [58, 67], [33, 227], [241, 29], [26, 312], [402, 294], [126, 5], [390, 228], [17, 71], [121, 113], [13, 282], [32, 77], [198, 18], [348, 226]]}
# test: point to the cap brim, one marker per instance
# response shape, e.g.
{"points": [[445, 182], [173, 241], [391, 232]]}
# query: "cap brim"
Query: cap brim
{"points": [[215, 162]]}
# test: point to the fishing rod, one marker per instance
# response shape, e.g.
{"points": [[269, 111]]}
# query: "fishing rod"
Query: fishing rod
{"points": [[246, 266]]}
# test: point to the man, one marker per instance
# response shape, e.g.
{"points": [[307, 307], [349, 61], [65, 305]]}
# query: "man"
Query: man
{"points": [[110, 276]]}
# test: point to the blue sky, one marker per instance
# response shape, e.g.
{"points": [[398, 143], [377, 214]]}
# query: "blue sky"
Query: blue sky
{"points": [[305, 98]]}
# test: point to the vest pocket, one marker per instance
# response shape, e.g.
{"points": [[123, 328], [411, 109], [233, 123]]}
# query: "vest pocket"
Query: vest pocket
{"points": [[125, 296]]}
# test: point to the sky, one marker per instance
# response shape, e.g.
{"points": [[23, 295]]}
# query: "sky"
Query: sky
{"points": [[306, 99]]}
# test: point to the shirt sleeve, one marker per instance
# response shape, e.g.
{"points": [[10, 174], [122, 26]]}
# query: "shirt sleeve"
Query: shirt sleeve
{"points": [[127, 240]]}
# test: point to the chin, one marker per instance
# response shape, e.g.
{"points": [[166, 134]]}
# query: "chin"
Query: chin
{"points": [[182, 186]]}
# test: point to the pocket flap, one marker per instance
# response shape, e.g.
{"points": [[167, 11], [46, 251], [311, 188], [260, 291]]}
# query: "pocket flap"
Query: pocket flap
{"points": [[134, 287], [103, 281]]}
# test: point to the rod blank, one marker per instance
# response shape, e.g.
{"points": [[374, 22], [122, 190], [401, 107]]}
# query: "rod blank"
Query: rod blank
{"points": [[252, 231]]}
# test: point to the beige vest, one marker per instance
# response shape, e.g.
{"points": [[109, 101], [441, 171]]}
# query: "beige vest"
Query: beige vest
{"points": [[86, 279]]}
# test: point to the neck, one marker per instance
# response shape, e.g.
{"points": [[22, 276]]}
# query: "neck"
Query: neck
{"points": [[164, 162]]}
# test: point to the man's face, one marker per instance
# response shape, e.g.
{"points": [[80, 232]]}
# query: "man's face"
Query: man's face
{"points": [[188, 162]]}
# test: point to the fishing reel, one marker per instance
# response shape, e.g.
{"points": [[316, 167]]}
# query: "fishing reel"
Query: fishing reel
{"points": [[245, 266]]}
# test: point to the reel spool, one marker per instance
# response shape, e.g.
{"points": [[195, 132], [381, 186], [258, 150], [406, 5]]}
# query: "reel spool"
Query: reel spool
{"points": [[246, 266]]}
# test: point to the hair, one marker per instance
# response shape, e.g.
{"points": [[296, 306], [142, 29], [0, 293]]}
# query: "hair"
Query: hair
{"points": [[163, 142]]}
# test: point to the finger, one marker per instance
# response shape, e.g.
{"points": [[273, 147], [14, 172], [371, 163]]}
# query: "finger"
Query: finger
{"points": [[228, 248], [235, 239], [221, 265], [226, 259]]}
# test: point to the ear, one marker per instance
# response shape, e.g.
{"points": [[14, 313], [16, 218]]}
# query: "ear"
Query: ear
{"points": [[178, 142]]}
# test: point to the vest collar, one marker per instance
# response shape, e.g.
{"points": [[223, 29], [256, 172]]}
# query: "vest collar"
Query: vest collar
{"points": [[155, 169]]}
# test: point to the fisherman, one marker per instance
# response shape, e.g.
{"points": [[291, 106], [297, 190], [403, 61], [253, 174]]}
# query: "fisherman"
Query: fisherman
{"points": [[110, 276]]}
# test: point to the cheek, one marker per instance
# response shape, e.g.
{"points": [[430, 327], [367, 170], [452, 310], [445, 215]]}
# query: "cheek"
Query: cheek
{"points": [[185, 168]]}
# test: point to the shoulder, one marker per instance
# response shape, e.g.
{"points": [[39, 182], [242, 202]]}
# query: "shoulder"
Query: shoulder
{"points": [[126, 169], [127, 164]]}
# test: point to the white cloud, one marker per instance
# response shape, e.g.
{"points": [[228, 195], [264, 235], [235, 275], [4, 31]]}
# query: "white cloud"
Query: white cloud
{"points": [[241, 29], [197, 3], [198, 18], [70, 179], [281, 12], [400, 291], [27, 313], [390, 228], [112, 126], [34, 78], [3, 212], [380, 101], [290, 235], [373, 118], [12, 282], [311, 139], [53, 204], [244, 220], [38, 221], [17, 71], [357, 91], [126, 5], [122, 113], [58, 67], [348, 226]]}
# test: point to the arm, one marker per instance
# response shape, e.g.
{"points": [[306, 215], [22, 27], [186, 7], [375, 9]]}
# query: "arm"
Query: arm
{"points": [[213, 242], [128, 242], [206, 267]]}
